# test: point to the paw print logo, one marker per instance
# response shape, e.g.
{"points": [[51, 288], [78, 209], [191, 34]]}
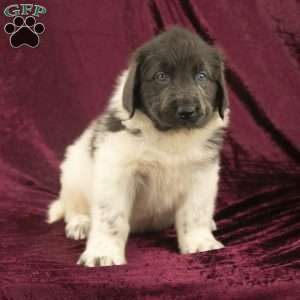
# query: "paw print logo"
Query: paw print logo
{"points": [[24, 32]]}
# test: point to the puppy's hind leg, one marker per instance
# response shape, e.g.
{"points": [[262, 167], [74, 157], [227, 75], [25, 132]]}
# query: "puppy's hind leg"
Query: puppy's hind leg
{"points": [[76, 213], [56, 211], [74, 208]]}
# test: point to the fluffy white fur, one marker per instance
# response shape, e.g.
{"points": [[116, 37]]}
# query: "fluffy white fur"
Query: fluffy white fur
{"points": [[137, 183]]}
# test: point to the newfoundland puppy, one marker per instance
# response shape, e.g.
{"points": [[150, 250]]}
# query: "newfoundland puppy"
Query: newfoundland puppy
{"points": [[151, 160]]}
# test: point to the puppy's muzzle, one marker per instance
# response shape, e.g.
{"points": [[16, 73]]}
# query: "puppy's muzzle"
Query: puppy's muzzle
{"points": [[188, 110]]}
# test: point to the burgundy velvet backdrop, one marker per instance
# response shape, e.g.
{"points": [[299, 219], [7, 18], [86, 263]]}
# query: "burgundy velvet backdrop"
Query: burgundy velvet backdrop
{"points": [[49, 94]]}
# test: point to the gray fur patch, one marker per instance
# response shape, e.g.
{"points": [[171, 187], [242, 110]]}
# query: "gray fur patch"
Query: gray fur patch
{"points": [[97, 129], [113, 123], [108, 122], [135, 131]]}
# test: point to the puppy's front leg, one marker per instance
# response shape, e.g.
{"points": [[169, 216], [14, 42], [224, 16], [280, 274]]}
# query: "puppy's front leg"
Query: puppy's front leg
{"points": [[195, 216], [110, 211]]}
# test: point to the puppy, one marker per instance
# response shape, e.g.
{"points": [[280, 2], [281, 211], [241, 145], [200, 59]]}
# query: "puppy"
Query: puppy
{"points": [[151, 160]]}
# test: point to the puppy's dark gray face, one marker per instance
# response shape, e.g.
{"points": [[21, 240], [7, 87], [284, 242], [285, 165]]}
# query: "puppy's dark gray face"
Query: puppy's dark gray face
{"points": [[177, 81]]}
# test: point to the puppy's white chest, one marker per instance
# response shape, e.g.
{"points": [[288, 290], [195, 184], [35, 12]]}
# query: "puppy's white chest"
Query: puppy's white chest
{"points": [[161, 185]]}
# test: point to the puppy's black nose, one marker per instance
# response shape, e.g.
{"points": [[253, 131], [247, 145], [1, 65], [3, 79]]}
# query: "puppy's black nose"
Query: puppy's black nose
{"points": [[187, 113]]}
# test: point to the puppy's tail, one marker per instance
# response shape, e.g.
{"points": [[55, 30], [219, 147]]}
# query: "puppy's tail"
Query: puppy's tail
{"points": [[56, 211]]}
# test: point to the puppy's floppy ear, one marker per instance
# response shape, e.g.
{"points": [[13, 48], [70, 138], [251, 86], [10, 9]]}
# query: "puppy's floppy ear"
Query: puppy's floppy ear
{"points": [[130, 90], [221, 95]]}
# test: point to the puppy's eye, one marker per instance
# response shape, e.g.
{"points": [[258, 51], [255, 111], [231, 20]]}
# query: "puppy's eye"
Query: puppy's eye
{"points": [[161, 76], [201, 76]]}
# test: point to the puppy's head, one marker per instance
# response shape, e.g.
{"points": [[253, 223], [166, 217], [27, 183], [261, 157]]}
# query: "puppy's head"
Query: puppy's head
{"points": [[177, 80]]}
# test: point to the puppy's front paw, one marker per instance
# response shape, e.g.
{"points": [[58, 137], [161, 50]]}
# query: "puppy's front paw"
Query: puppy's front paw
{"points": [[199, 243], [96, 259]]}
